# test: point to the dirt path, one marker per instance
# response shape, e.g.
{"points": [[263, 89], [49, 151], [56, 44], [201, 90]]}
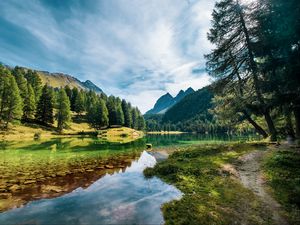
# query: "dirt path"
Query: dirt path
{"points": [[251, 177]]}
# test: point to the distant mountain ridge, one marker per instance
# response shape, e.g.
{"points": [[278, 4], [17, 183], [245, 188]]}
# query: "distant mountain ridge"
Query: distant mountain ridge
{"points": [[62, 80], [167, 101], [58, 80]]}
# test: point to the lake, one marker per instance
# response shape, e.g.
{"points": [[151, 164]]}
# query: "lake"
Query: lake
{"points": [[87, 180]]}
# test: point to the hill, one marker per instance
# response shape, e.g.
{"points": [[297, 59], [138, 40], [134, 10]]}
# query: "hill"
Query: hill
{"points": [[167, 101], [58, 80], [61, 80]]}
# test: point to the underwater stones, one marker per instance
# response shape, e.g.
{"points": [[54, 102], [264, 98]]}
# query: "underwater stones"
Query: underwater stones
{"points": [[61, 174], [5, 195], [100, 167], [89, 170], [14, 188], [30, 182], [109, 166], [56, 189]]}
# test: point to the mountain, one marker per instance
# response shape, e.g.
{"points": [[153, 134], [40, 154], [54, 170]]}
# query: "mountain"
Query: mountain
{"points": [[61, 80], [195, 104], [167, 101]]}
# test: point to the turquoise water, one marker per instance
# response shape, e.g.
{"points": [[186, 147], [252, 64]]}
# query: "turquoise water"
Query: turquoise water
{"points": [[86, 181], [121, 198]]}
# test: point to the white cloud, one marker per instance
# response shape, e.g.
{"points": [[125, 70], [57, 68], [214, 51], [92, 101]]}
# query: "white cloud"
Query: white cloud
{"points": [[137, 49]]}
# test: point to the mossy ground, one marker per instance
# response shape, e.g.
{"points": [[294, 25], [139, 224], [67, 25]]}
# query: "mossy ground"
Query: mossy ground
{"points": [[212, 195], [282, 171]]}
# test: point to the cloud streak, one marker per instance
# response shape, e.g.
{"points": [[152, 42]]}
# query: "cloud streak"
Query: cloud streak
{"points": [[135, 49]]}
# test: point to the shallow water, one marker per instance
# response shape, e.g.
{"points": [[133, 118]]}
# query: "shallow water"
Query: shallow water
{"points": [[87, 181], [121, 198]]}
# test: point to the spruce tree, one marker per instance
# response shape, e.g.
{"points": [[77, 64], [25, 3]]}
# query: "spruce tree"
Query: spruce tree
{"points": [[79, 103], [12, 108], [74, 97], [21, 81], [29, 104], [141, 122], [36, 83], [97, 115], [44, 112], [127, 114], [63, 111], [134, 115]]}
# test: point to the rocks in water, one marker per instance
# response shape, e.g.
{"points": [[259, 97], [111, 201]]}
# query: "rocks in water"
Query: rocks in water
{"points": [[89, 170], [14, 188], [109, 166], [29, 181], [5, 195]]}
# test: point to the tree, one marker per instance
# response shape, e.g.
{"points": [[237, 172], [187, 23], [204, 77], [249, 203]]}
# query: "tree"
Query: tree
{"points": [[79, 103], [11, 101], [35, 81], [44, 112], [21, 81], [134, 115], [68, 92], [233, 60], [119, 115], [63, 111], [97, 115], [29, 104], [141, 123], [74, 97], [127, 115]]}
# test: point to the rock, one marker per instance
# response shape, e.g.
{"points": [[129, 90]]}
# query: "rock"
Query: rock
{"points": [[109, 166], [5, 195], [89, 170], [14, 188], [30, 181]]}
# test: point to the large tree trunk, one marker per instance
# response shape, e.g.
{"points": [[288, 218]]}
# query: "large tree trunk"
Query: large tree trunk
{"points": [[289, 125], [297, 120], [271, 126], [258, 128], [254, 70]]}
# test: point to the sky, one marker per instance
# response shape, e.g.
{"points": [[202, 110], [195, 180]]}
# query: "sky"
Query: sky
{"points": [[135, 49]]}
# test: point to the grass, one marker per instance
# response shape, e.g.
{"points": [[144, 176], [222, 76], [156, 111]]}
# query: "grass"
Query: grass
{"points": [[282, 171], [79, 128], [211, 194]]}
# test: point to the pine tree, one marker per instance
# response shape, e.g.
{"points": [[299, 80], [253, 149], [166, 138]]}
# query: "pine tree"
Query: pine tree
{"points": [[134, 115], [97, 115], [119, 115], [44, 112], [141, 123], [79, 103], [74, 97], [29, 104], [21, 81], [68, 92], [233, 59], [10, 99], [127, 115], [36, 83], [63, 111]]}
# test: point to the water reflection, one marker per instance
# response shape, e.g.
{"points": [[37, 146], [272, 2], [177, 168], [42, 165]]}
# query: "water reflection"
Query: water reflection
{"points": [[120, 198]]}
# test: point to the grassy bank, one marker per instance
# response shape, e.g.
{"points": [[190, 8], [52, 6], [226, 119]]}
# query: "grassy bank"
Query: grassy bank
{"points": [[212, 194], [282, 170], [29, 131]]}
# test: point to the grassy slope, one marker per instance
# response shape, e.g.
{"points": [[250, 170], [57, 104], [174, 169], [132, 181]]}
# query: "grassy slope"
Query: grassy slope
{"points": [[282, 170], [211, 194], [59, 81], [27, 132]]}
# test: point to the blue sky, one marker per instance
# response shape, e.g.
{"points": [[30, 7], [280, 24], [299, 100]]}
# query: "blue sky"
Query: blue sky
{"points": [[135, 49]]}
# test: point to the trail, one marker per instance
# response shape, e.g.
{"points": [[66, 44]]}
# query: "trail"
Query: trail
{"points": [[251, 177]]}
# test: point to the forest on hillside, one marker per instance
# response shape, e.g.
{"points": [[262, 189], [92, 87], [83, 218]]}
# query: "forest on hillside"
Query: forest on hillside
{"points": [[255, 64], [24, 99]]}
